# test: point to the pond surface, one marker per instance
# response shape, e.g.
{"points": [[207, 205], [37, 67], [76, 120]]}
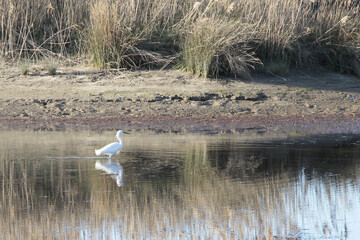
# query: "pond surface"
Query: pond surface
{"points": [[171, 186]]}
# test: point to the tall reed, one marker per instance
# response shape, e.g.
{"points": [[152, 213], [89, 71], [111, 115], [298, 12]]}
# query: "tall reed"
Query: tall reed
{"points": [[208, 37], [278, 33], [32, 28], [126, 34]]}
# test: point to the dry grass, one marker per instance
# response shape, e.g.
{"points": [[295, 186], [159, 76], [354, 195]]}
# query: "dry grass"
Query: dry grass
{"points": [[122, 34], [34, 28], [213, 48], [208, 38]]}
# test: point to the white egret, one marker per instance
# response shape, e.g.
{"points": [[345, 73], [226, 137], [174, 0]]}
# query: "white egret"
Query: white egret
{"points": [[115, 170], [112, 148]]}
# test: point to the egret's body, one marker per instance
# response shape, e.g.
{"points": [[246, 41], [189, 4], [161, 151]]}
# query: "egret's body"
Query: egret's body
{"points": [[112, 148]]}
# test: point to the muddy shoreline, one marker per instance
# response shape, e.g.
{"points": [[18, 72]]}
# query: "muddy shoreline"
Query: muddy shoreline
{"points": [[298, 125], [312, 101]]}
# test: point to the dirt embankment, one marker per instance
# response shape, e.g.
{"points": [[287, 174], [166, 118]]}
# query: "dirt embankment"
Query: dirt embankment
{"points": [[79, 93]]}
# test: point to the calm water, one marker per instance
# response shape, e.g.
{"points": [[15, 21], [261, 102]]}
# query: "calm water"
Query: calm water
{"points": [[179, 186]]}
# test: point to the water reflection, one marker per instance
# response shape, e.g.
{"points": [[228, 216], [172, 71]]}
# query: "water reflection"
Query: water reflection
{"points": [[114, 169], [180, 187]]}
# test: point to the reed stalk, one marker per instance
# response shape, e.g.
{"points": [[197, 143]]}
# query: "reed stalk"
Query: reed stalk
{"points": [[208, 38]]}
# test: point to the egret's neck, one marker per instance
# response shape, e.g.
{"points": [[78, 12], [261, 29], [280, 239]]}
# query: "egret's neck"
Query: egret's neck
{"points": [[119, 138]]}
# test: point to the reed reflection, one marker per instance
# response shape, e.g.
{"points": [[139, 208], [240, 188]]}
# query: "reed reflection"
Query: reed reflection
{"points": [[114, 169], [205, 188]]}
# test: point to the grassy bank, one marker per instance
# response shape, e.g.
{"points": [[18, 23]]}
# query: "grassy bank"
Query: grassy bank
{"points": [[207, 38]]}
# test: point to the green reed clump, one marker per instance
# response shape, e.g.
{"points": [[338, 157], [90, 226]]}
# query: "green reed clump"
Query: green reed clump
{"points": [[214, 47], [51, 68], [214, 43], [24, 68]]}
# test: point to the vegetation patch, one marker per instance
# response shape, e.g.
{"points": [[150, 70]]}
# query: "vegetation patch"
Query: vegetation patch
{"points": [[209, 38]]}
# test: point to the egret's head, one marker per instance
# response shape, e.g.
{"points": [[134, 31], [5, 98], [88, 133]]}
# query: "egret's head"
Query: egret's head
{"points": [[121, 132], [119, 180]]}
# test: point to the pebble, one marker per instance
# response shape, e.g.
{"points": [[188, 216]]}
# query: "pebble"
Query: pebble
{"points": [[308, 105]]}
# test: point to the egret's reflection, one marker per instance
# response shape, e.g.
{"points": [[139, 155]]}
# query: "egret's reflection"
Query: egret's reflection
{"points": [[112, 168]]}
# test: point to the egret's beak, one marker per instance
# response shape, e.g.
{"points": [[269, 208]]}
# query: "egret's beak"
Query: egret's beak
{"points": [[126, 133]]}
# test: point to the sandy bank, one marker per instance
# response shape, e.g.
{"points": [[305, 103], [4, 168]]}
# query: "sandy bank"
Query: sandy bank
{"points": [[80, 94]]}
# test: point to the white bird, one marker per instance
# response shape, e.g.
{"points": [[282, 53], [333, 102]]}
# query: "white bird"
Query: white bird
{"points": [[115, 170], [112, 148]]}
